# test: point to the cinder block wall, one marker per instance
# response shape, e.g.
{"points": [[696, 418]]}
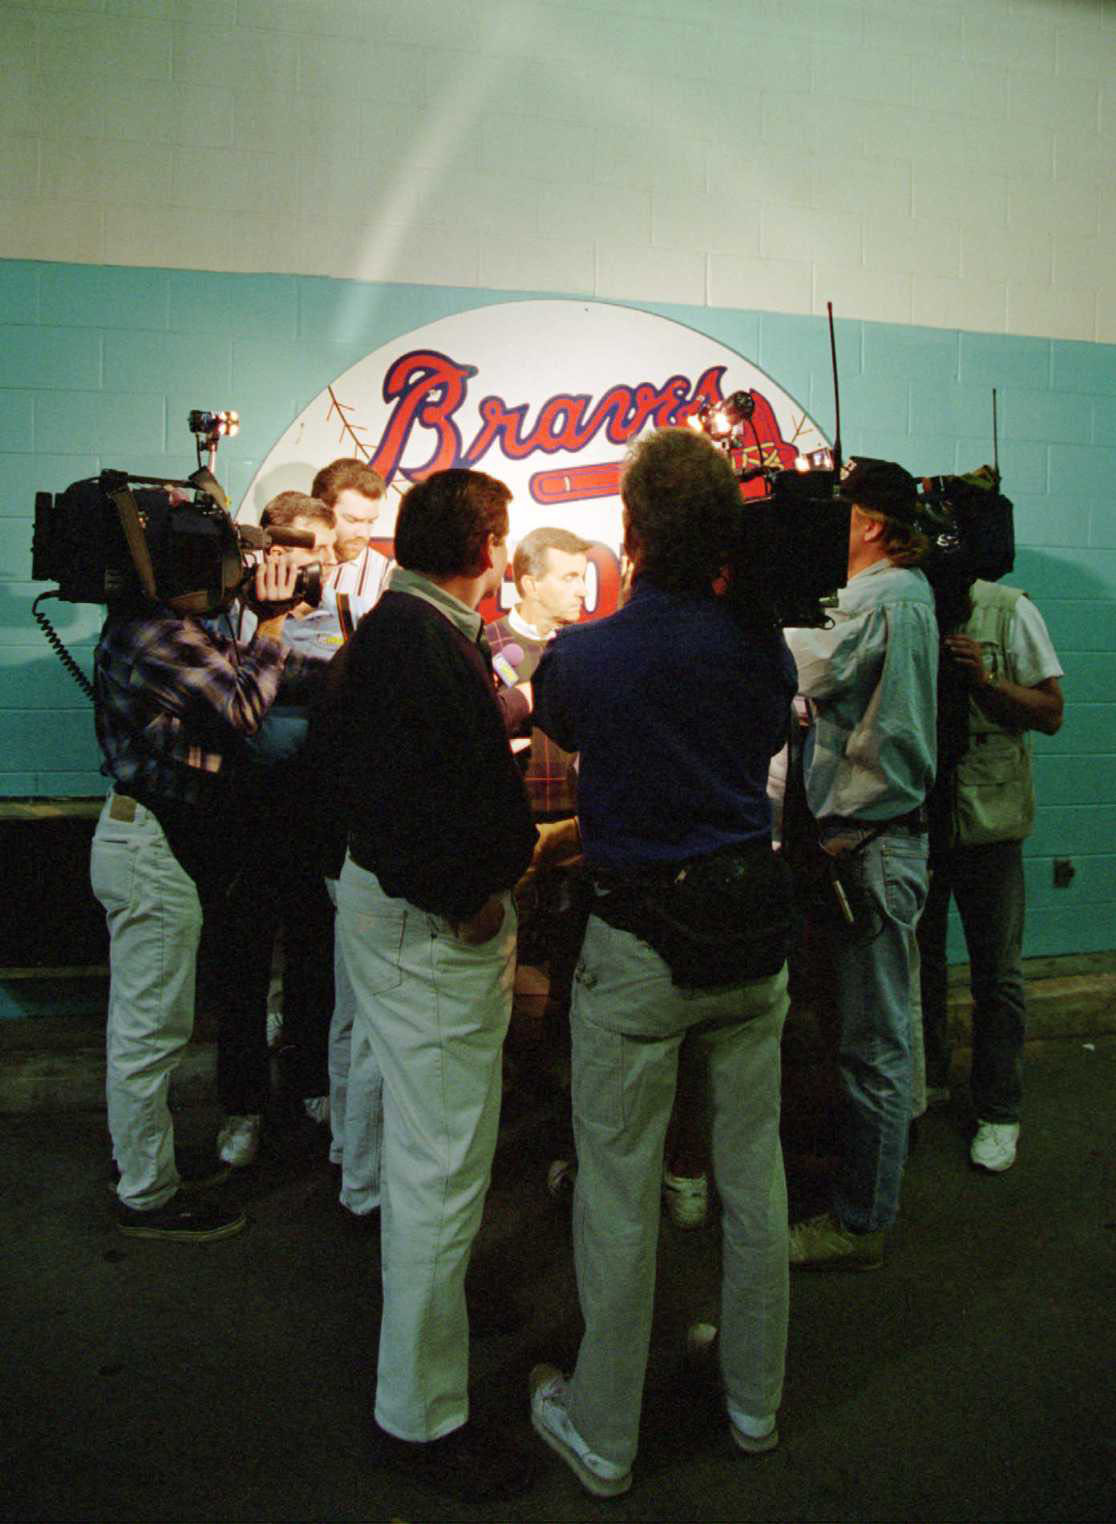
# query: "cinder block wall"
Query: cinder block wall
{"points": [[227, 202]]}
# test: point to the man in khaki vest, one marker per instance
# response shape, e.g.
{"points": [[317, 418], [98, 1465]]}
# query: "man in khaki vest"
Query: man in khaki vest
{"points": [[1005, 653]]}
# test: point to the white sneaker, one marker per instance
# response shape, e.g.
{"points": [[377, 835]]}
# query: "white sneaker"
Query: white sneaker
{"points": [[547, 1386], [755, 1436], [316, 1108], [561, 1177], [994, 1146], [702, 1340], [687, 1199], [238, 1140]]}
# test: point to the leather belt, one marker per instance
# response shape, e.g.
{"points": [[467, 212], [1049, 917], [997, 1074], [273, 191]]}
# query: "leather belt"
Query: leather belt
{"points": [[915, 821]]}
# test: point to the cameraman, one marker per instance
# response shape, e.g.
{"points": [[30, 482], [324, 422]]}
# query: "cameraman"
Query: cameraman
{"points": [[173, 702], [676, 705], [871, 682]]}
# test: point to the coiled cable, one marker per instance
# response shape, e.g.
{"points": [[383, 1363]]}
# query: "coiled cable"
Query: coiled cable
{"points": [[55, 641]]}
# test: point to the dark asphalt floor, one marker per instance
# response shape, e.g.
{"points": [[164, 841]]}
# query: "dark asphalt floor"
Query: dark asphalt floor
{"points": [[974, 1378]]}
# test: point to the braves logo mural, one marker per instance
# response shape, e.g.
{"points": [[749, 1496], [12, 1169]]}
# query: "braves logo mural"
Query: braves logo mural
{"points": [[543, 395]]}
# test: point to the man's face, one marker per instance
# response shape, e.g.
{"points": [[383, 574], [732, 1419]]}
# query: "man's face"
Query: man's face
{"points": [[355, 514], [559, 590], [325, 541], [864, 533], [499, 564]]}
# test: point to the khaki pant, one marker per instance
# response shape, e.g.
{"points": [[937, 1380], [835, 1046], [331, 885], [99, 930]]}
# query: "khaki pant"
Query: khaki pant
{"points": [[154, 921], [435, 1013], [628, 1023]]}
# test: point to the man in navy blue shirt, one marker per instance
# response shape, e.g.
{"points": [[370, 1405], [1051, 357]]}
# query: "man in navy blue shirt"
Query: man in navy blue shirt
{"points": [[676, 705]]}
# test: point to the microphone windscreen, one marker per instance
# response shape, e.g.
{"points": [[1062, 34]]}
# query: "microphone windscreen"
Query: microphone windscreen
{"points": [[285, 534]]}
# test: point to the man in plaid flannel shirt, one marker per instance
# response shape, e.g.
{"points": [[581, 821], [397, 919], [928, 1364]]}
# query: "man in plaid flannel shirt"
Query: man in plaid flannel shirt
{"points": [[174, 701]]}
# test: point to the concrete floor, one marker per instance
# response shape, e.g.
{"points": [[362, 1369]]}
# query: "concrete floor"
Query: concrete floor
{"points": [[974, 1378]]}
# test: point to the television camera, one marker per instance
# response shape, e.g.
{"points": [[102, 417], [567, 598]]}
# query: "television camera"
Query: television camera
{"points": [[793, 552], [119, 537]]}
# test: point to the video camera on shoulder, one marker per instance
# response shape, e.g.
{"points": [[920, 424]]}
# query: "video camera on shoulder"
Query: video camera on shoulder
{"points": [[794, 546], [118, 537]]}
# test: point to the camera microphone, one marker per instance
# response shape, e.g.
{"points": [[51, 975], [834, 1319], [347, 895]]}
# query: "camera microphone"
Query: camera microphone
{"points": [[253, 537], [506, 661], [284, 534]]}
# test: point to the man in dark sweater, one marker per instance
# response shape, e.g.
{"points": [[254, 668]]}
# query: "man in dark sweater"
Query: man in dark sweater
{"points": [[676, 705], [439, 832]]}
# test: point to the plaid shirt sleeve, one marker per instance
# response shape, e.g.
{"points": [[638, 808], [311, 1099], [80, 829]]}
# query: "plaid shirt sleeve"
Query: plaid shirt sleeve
{"points": [[172, 694]]}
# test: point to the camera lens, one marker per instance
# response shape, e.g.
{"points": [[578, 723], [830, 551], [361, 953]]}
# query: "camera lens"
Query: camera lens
{"points": [[308, 584]]}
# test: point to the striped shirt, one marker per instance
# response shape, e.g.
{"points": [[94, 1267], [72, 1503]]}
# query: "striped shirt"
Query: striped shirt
{"points": [[364, 579]]}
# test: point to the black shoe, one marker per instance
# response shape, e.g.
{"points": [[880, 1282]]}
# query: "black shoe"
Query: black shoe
{"points": [[474, 1464], [182, 1220], [198, 1169]]}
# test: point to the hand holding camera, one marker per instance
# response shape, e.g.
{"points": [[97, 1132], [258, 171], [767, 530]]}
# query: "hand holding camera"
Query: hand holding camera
{"points": [[273, 594]]}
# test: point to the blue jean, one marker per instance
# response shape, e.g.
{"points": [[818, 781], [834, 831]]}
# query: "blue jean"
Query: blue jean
{"points": [[629, 1022], [874, 1001], [987, 883]]}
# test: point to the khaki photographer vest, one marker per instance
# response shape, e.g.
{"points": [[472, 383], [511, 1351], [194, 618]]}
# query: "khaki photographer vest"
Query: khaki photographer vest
{"points": [[993, 795]]}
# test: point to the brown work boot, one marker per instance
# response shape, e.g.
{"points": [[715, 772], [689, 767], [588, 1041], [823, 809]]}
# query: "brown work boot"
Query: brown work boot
{"points": [[824, 1243]]}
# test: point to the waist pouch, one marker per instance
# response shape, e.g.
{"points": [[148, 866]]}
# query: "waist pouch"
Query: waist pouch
{"points": [[714, 921]]}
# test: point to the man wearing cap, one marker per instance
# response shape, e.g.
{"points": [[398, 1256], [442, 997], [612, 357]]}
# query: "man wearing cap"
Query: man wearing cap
{"points": [[869, 759]]}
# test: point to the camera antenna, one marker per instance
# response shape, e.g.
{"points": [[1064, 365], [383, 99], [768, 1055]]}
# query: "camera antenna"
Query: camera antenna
{"points": [[995, 441], [837, 396]]}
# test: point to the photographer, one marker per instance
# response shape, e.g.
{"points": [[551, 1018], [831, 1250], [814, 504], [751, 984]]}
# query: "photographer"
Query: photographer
{"points": [[676, 704], [173, 703], [871, 682]]}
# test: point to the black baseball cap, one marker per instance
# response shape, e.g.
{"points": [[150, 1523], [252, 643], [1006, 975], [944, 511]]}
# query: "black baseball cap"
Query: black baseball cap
{"points": [[882, 486]]}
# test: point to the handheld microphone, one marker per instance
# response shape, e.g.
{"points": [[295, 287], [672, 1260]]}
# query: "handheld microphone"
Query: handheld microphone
{"points": [[505, 663]]}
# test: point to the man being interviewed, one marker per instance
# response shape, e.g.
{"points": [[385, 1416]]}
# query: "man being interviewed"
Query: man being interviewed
{"points": [[676, 705], [439, 832]]}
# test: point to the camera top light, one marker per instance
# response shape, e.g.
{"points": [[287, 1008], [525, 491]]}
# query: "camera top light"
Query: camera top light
{"points": [[214, 426]]}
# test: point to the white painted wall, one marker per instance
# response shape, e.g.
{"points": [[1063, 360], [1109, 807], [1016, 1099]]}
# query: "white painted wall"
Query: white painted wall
{"points": [[940, 163]]}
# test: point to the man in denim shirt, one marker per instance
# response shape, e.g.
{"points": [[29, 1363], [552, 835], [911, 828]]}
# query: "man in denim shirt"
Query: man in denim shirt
{"points": [[870, 756]]}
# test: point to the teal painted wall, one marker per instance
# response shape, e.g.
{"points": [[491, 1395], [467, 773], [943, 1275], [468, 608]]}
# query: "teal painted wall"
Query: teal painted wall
{"points": [[99, 366]]}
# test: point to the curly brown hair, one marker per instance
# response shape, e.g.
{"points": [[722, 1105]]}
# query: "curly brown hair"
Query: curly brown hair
{"points": [[682, 506], [341, 474]]}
